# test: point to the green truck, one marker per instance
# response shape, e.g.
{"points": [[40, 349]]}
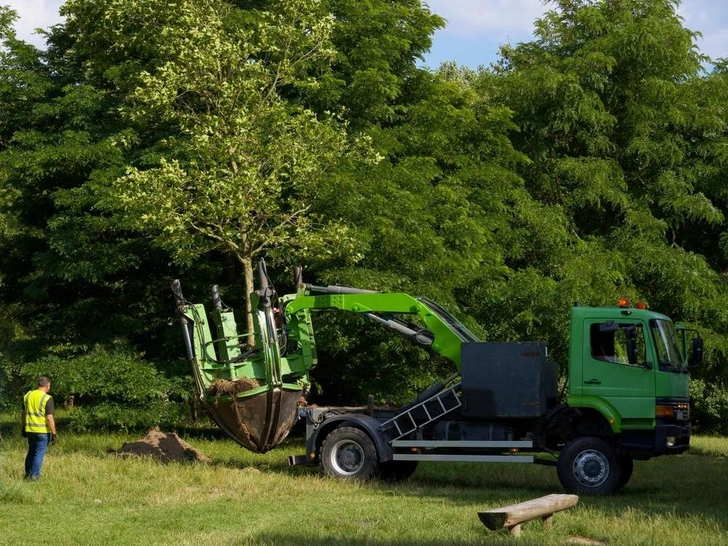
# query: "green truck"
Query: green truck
{"points": [[627, 388]]}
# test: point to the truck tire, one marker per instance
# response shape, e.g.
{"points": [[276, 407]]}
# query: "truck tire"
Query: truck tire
{"points": [[349, 453], [589, 466], [397, 471]]}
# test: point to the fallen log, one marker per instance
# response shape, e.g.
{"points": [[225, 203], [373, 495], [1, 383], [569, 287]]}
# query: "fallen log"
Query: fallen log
{"points": [[511, 517]]}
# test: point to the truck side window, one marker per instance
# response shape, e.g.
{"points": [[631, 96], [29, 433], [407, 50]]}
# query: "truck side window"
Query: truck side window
{"points": [[610, 343]]}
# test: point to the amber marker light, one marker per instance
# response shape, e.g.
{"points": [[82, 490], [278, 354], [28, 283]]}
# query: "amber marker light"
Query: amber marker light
{"points": [[640, 305], [625, 302], [664, 411]]}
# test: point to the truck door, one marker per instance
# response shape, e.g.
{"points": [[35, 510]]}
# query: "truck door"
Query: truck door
{"points": [[616, 367]]}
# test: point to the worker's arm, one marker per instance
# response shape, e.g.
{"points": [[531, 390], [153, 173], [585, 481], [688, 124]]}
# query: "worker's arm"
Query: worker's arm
{"points": [[22, 422], [51, 422]]}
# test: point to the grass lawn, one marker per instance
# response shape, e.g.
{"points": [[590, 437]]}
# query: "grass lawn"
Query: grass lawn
{"points": [[87, 496]]}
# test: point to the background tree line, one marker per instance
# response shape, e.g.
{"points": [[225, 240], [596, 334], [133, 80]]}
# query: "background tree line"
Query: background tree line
{"points": [[153, 140]]}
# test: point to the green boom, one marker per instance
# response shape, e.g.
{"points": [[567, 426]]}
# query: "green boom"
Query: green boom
{"points": [[253, 390]]}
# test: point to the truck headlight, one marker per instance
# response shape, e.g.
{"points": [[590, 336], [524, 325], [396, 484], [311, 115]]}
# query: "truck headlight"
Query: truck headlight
{"points": [[670, 441]]}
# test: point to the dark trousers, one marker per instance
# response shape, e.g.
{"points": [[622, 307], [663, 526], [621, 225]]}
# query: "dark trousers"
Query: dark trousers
{"points": [[37, 445]]}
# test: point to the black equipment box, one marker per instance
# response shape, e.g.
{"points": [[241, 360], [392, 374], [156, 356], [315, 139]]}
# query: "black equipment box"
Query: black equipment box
{"points": [[506, 379]]}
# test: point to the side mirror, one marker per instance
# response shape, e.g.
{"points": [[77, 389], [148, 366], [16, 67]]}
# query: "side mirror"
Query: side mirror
{"points": [[696, 357]]}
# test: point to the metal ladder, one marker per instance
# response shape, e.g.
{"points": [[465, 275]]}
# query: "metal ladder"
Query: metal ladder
{"points": [[434, 407]]}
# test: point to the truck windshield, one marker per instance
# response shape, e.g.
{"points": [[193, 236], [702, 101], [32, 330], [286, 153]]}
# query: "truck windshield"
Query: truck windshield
{"points": [[669, 355], [455, 325]]}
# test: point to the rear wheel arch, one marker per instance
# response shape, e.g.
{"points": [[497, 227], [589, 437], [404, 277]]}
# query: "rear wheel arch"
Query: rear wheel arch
{"points": [[367, 424]]}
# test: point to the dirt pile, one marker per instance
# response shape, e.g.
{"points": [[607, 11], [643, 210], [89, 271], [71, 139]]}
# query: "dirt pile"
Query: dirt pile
{"points": [[224, 386], [162, 446]]}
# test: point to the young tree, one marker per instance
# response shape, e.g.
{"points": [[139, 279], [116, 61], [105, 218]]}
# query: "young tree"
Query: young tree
{"points": [[237, 166]]}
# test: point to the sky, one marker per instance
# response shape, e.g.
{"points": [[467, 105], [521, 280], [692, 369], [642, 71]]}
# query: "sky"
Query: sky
{"points": [[475, 28]]}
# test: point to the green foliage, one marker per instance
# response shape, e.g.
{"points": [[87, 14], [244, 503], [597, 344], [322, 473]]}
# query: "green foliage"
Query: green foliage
{"points": [[126, 417], [710, 406], [372, 362], [70, 270], [237, 166], [116, 376], [623, 131], [376, 44], [104, 388], [153, 140]]}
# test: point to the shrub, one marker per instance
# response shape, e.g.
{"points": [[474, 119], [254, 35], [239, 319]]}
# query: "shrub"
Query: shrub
{"points": [[117, 417], [108, 389], [709, 406]]}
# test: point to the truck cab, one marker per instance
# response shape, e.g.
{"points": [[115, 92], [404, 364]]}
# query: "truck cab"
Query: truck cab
{"points": [[630, 365]]}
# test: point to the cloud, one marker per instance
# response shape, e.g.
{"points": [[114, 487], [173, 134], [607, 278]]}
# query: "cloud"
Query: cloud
{"points": [[711, 20], [34, 14], [512, 21], [469, 18]]}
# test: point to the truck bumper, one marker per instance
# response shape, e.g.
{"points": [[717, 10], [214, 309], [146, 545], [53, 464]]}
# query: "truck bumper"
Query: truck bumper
{"points": [[299, 460], [665, 439]]}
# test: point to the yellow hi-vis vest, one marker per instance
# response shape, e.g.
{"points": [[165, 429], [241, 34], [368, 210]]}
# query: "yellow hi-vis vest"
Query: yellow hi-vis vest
{"points": [[35, 411]]}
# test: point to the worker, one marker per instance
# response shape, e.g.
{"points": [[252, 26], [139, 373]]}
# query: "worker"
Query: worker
{"points": [[38, 425]]}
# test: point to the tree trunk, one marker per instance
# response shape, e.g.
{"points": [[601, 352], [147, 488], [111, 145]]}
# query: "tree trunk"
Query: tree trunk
{"points": [[247, 263]]}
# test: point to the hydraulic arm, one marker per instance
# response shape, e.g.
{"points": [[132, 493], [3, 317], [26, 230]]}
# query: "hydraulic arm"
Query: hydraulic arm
{"points": [[254, 390], [438, 331]]}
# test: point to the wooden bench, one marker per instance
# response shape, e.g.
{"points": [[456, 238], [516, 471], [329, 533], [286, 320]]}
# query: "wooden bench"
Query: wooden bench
{"points": [[511, 517]]}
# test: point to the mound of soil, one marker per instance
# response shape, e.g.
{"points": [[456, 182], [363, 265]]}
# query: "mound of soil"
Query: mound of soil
{"points": [[162, 446]]}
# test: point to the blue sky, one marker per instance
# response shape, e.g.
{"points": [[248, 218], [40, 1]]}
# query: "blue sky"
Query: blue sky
{"points": [[475, 29]]}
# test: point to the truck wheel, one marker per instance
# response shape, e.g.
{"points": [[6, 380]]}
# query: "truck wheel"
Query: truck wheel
{"points": [[589, 466], [626, 466], [349, 453], [396, 471]]}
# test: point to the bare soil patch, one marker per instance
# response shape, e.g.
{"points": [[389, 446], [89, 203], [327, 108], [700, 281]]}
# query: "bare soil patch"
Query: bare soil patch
{"points": [[166, 447]]}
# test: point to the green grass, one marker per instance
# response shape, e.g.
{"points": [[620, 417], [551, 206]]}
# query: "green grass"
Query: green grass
{"points": [[87, 496]]}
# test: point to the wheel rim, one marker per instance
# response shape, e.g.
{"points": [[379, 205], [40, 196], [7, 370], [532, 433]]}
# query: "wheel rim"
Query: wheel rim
{"points": [[347, 457], [591, 468]]}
